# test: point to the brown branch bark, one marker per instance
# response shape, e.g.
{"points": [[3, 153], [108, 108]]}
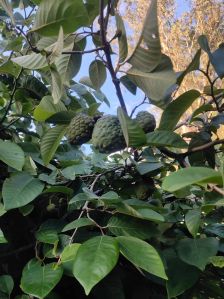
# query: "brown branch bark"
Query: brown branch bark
{"points": [[106, 45]]}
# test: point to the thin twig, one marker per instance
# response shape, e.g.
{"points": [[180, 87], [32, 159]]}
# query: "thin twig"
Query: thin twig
{"points": [[136, 107], [11, 96]]}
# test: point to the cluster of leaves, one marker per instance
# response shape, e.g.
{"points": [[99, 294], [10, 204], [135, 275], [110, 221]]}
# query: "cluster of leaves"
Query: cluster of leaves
{"points": [[142, 223]]}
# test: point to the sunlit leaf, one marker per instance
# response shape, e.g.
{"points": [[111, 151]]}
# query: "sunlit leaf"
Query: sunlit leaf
{"points": [[191, 175], [53, 14]]}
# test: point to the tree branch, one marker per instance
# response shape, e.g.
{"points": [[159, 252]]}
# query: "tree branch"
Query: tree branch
{"points": [[110, 67]]}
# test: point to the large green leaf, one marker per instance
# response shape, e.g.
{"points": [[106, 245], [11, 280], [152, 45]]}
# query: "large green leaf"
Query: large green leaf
{"points": [[193, 66], [122, 39], [6, 5], [68, 65], [165, 138], [19, 190], [12, 154], [122, 225], [192, 221], [154, 84], [191, 175], [142, 255], [97, 73], [6, 284], [148, 59], [47, 108], [197, 252], [38, 280], [176, 109], [181, 276], [53, 14], [95, 259], [141, 212], [31, 61], [133, 133], [51, 141]]}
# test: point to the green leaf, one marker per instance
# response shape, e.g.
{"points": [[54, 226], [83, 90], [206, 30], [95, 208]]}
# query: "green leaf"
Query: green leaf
{"points": [[31, 61], [2, 238], [147, 167], [6, 284], [121, 225], [197, 252], [176, 109], [19, 190], [9, 67], [53, 14], [145, 213], [95, 259], [47, 108], [142, 255], [133, 133], [51, 141], [189, 176], [217, 261], [216, 229], [97, 73], [201, 109], [154, 84], [57, 88], [192, 221], [148, 59], [128, 84], [122, 39], [68, 256], [12, 154], [68, 65], [178, 283], [193, 66], [38, 280], [57, 48], [217, 61], [77, 224], [6, 5], [47, 234], [216, 58], [165, 138]]}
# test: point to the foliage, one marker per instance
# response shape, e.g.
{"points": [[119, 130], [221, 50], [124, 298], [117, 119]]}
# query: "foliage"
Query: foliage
{"points": [[145, 221]]}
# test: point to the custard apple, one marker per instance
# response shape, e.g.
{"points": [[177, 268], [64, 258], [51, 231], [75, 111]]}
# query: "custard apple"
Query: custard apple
{"points": [[107, 135], [146, 121], [80, 129]]}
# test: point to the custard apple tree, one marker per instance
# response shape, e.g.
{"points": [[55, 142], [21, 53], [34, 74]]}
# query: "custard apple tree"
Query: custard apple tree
{"points": [[97, 204]]}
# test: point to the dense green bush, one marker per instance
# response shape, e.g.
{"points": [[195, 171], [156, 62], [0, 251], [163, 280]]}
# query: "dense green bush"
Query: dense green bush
{"points": [[144, 222]]}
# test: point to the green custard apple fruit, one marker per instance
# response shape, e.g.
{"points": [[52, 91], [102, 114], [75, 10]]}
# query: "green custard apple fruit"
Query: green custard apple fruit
{"points": [[107, 135], [146, 121], [80, 129]]}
